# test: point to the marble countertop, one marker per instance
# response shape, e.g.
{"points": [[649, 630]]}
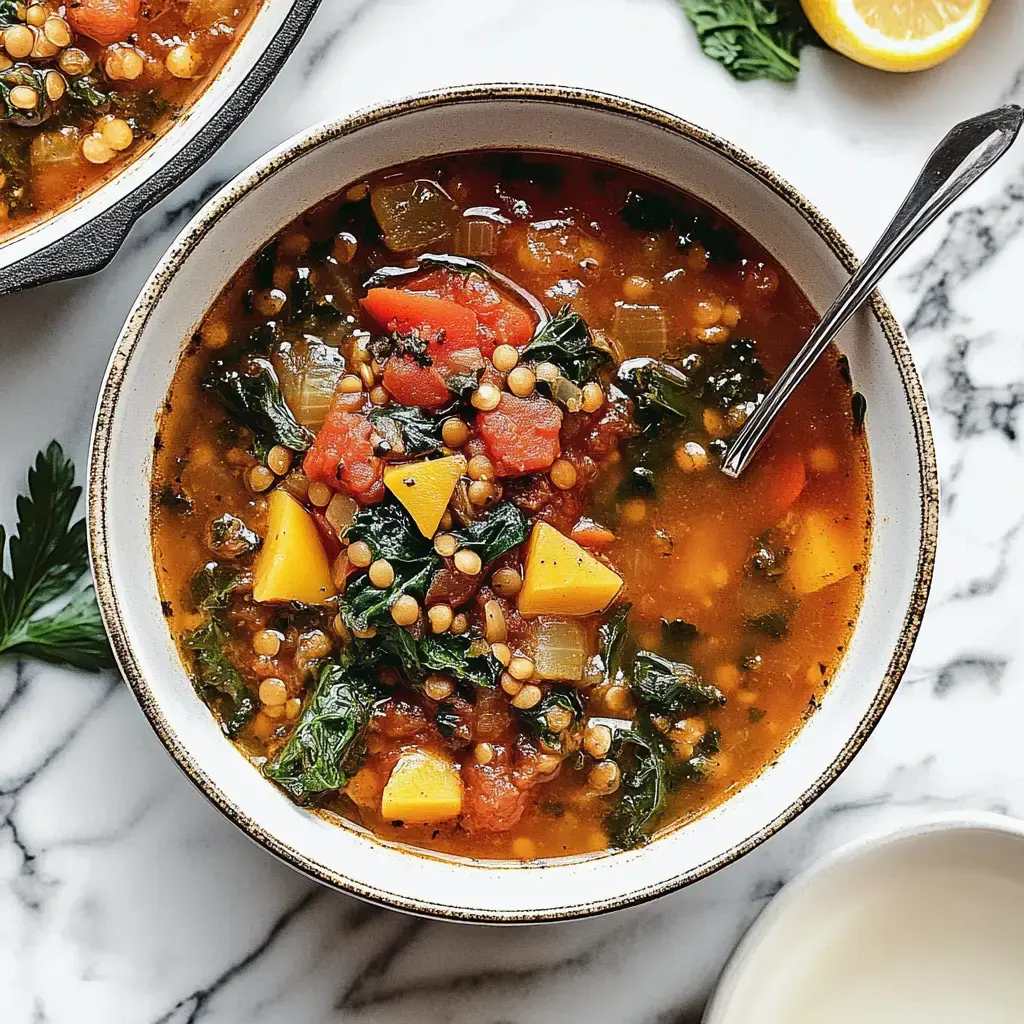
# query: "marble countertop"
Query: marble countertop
{"points": [[125, 897]]}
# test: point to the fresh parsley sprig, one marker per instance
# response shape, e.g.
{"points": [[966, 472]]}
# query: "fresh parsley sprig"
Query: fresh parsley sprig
{"points": [[751, 38], [48, 557]]}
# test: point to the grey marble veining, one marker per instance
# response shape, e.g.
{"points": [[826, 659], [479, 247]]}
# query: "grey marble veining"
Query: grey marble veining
{"points": [[125, 897]]}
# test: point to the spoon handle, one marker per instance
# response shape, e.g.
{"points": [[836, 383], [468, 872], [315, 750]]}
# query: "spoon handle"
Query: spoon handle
{"points": [[938, 184]]}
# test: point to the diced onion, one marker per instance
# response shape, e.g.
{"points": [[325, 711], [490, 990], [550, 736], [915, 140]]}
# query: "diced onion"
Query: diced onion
{"points": [[560, 649], [567, 394], [640, 330], [309, 372], [414, 214], [475, 237], [340, 512], [466, 360], [55, 149]]}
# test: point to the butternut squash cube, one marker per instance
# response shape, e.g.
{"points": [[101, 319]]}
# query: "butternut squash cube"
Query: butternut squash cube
{"points": [[292, 564], [425, 488], [424, 786], [823, 552], [561, 578]]}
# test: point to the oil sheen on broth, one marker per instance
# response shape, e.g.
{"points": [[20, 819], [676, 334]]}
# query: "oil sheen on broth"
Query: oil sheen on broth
{"points": [[505, 604]]}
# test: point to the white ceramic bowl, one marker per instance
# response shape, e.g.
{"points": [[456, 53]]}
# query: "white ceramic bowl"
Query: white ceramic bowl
{"points": [[301, 173], [84, 237], [922, 924]]}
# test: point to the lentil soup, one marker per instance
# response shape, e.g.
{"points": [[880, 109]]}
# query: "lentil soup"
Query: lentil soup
{"points": [[438, 524], [86, 87]]}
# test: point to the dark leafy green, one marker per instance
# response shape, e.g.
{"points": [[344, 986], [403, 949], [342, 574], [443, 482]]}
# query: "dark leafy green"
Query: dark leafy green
{"points": [[416, 658], [490, 535], [364, 605], [612, 636], [409, 430], [654, 212], [447, 719], [658, 389], [391, 533], [231, 538], [383, 346], [33, 78], [253, 397], [772, 624], [48, 558], [535, 719], [670, 687], [212, 586], [736, 376], [305, 304], [643, 757], [217, 679], [751, 38], [566, 341], [326, 748]]}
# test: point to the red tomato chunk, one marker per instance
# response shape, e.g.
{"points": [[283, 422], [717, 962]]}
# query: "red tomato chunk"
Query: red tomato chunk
{"points": [[521, 434], [342, 457]]}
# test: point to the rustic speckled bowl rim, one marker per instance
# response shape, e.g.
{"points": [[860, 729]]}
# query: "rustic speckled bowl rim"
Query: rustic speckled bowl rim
{"points": [[99, 507]]}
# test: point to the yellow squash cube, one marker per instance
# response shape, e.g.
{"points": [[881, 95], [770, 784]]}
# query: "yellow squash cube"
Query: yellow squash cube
{"points": [[424, 786], [823, 552], [425, 488], [561, 578], [292, 564]]}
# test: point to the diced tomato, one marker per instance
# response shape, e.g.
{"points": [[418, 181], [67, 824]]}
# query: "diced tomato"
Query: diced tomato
{"points": [[500, 321], [329, 539], [591, 534], [787, 478], [106, 21], [491, 802], [411, 384], [342, 457], [521, 434], [427, 315]]}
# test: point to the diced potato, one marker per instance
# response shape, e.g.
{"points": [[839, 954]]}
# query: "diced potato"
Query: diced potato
{"points": [[425, 488], [424, 786], [561, 578], [823, 552], [292, 564]]}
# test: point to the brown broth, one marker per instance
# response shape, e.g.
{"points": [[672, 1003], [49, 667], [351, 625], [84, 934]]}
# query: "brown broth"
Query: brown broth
{"points": [[684, 554]]}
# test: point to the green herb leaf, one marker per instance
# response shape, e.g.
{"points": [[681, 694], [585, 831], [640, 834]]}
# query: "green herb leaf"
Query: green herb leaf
{"points": [[253, 397], [612, 635], [670, 687], [643, 758], [566, 341], [447, 719], [231, 538], [751, 38], [390, 533], [216, 678], [417, 430], [326, 747], [501, 528], [48, 557], [416, 659], [213, 585], [657, 389], [535, 719]]}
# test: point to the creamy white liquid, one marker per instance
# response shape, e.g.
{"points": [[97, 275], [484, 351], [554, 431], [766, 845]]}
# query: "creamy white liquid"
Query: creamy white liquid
{"points": [[928, 944]]}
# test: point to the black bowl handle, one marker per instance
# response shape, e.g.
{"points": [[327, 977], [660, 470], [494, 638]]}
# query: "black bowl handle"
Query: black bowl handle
{"points": [[92, 246]]}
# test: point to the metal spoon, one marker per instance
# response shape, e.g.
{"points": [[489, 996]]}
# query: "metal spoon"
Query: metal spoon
{"points": [[936, 187]]}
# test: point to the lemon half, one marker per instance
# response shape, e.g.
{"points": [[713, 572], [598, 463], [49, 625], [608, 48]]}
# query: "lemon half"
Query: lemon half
{"points": [[896, 35]]}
